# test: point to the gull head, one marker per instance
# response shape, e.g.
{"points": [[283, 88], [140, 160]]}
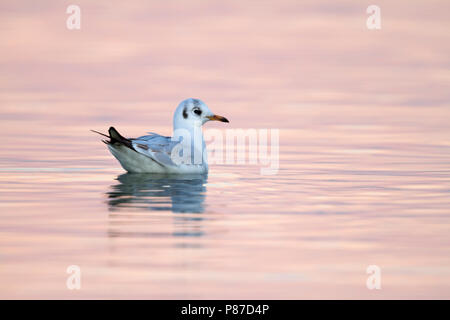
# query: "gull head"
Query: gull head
{"points": [[194, 113]]}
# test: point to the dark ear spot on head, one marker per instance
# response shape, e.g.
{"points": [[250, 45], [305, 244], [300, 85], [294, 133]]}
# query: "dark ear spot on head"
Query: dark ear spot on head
{"points": [[185, 115]]}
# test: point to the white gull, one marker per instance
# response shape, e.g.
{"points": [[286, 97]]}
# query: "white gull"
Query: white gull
{"points": [[183, 153]]}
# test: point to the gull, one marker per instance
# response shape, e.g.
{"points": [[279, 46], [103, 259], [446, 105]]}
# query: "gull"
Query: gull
{"points": [[183, 153]]}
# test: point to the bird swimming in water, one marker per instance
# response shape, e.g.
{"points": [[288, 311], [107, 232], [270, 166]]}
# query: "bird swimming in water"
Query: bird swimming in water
{"points": [[183, 153]]}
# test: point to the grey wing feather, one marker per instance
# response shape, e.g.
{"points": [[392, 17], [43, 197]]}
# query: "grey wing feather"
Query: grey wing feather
{"points": [[157, 147]]}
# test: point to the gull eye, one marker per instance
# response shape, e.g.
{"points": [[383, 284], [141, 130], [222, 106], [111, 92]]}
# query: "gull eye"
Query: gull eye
{"points": [[198, 111]]}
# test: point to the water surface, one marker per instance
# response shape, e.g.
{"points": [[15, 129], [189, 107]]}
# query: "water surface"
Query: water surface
{"points": [[364, 178]]}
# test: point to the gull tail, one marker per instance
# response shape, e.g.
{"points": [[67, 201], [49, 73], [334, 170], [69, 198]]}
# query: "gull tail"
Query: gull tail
{"points": [[115, 138]]}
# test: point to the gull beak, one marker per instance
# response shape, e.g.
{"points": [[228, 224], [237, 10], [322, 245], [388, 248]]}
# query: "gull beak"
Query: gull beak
{"points": [[217, 118]]}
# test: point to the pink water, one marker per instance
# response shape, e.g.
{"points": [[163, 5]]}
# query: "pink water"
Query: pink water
{"points": [[364, 179]]}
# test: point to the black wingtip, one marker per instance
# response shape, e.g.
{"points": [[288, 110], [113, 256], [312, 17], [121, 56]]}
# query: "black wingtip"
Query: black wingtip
{"points": [[114, 134], [115, 137]]}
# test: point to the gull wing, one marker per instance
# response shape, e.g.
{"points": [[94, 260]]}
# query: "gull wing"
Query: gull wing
{"points": [[157, 147]]}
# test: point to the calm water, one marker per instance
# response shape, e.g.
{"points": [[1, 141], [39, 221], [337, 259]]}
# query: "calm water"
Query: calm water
{"points": [[364, 178]]}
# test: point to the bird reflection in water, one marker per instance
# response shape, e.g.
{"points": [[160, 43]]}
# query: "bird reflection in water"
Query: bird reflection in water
{"points": [[155, 193], [158, 192]]}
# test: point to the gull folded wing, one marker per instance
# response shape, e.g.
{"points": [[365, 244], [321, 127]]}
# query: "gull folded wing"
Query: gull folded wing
{"points": [[157, 147]]}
